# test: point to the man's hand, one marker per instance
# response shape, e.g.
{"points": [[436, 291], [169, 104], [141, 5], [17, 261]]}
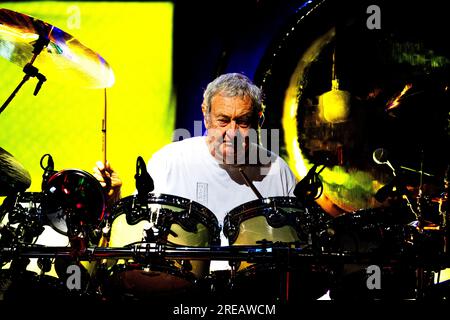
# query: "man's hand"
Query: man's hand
{"points": [[109, 180]]}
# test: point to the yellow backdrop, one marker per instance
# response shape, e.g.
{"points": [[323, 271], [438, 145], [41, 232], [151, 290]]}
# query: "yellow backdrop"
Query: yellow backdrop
{"points": [[66, 120]]}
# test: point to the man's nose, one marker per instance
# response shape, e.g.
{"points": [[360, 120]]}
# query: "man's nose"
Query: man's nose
{"points": [[232, 129]]}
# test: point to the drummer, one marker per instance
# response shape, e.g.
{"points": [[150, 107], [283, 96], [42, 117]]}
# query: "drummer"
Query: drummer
{"points": [[225, 168]]}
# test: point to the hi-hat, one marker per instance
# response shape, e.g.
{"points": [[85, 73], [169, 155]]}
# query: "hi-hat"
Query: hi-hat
{"points": [[62, 58], [13, 176]]}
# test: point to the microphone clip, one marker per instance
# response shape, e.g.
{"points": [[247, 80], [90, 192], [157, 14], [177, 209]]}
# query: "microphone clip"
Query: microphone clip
{"points": [[49, 169], [310, 187]]}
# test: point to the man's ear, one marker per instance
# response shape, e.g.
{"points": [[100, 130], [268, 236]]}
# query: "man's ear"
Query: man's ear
{"points": [[205, 116]]}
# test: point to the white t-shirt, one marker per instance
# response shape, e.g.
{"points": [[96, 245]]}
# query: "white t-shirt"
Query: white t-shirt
{"points": [[187, 169]]}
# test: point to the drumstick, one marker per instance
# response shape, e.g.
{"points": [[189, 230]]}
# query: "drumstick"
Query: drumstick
{"points": [[250, 184], [105, 107]]}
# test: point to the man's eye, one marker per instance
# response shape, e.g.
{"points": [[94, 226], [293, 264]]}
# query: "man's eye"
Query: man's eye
{"points": [[244, 123], [222, 121]]}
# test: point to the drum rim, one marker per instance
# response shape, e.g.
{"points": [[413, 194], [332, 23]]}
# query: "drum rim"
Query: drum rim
{"points": [[264, 202]]}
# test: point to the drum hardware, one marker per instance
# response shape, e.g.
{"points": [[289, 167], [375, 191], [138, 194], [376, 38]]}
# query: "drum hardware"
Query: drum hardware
{"points": [[45, 264], [19, 263], [7, 237], [150, 233], [45, 218], [28, 219], [159, 218], [49, 169], [24, 226], [30, 72], [276, 251]]}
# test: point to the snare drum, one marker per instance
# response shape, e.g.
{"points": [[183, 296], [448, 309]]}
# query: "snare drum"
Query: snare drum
{"points": [[167, 220], [276, 220]]}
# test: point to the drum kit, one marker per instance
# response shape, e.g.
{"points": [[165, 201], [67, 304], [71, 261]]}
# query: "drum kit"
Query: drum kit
{"points": [[149, 247], [154, 247]]}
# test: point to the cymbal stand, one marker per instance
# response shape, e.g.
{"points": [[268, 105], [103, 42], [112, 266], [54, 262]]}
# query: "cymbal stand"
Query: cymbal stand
{"points": [[30, 71]]}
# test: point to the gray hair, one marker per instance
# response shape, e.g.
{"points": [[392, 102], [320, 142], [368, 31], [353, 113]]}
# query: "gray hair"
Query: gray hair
{"points": [[233, 85]]}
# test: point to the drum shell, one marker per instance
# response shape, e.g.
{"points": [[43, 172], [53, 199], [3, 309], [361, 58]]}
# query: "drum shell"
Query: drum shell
{"points": [[274, 219], [282, 221], [179, 222]]}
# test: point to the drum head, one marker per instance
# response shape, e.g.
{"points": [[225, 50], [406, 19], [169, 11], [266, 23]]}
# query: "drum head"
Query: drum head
{"points": [[74, 197]]}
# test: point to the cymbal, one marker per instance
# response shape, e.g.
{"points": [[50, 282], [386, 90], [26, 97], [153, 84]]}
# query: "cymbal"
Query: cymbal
{"points": [[13, 176], [64, 58]]}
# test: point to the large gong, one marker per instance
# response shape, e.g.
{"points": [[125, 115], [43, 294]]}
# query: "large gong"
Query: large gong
{"points": [[343, 85]]}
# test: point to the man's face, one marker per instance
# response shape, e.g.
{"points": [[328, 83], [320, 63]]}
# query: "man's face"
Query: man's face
{"points": [[229, 123]]}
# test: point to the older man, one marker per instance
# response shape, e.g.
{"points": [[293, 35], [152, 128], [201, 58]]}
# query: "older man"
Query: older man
{"points": [[225, 168]]}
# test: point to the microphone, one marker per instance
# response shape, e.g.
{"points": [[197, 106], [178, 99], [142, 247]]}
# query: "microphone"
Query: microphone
{"points": [[49, 170], [144, 182], [380, 156], [310, 187]]}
